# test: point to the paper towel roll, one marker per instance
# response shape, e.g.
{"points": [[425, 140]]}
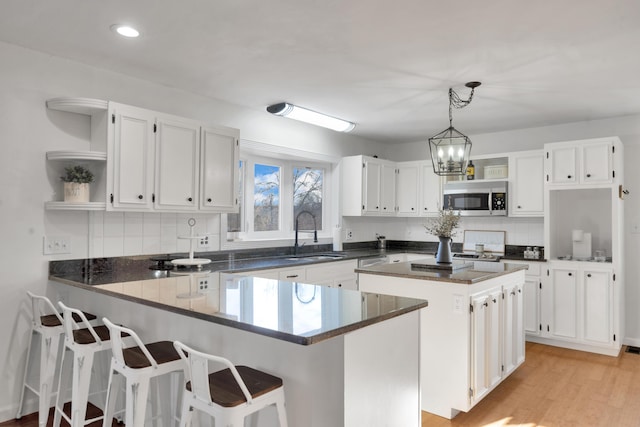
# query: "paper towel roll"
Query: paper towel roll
{"points": [[337, 238], [577, 235]]}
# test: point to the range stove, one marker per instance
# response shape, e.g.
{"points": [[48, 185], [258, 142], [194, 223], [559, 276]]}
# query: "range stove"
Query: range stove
{"points": [[476, 257]]}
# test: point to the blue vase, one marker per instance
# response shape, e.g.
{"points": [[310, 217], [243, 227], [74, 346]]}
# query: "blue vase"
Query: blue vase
{"points": [[443, 256]]}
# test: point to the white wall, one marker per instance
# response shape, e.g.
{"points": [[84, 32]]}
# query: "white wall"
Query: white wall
{"points": [[28, 130]]}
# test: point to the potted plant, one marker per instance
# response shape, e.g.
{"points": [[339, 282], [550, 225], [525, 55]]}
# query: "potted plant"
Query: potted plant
{"points": [[444, 227], [76, 184]]}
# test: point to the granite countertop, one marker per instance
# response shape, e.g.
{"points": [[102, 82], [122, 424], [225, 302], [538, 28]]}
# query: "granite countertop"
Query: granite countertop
{"points": [[295, 312], [474, 273]]}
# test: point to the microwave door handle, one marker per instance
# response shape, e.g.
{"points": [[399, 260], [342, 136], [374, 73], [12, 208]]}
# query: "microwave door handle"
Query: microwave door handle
{"points": [[490, 204]]}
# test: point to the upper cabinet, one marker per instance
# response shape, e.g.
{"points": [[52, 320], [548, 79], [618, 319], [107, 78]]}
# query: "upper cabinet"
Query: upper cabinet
{"points": [[368, 186], [581, 163], [527, 183], [418, 191], [154, 161]]}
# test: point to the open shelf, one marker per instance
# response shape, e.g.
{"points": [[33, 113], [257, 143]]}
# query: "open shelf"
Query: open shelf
{"points": [[62, 155], [85, 106], [66, 206]]}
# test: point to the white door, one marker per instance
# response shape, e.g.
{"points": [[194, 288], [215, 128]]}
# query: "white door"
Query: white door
{"points": [[563, 321], [598, 304], [388, 189], [177, 165], [528, 185], [131, 181], [430, 192], [219, 170], [372, 182], [596, 162], [564, 165], [407, 189]]}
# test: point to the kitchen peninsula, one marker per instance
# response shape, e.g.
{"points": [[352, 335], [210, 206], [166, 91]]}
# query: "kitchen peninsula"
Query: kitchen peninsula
{"points": [[472, 335], [346, 357]]}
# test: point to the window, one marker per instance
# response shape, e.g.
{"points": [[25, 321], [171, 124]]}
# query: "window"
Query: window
{"points": [[274, 193]]}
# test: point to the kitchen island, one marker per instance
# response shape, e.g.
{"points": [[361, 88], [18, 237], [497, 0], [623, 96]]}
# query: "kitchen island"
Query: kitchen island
{"points": [[347, 358], [472, 336]]}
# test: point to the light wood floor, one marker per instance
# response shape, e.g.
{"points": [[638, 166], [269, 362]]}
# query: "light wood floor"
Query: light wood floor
{"points": [[554, 387], [557, 387]]}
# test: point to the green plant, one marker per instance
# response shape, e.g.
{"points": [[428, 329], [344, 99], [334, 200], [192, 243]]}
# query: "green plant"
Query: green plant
{"points": [[444, 225], [78, 174]]}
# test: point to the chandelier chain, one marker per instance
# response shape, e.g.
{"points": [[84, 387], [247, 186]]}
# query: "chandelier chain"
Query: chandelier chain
{"points": [[457, 102]]}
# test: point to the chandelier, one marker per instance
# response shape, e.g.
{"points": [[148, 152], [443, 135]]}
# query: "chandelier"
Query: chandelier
{"points": [[450, 149]]}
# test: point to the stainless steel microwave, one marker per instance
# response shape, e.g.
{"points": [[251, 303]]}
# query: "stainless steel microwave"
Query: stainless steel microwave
{"points": [[476, 198]]}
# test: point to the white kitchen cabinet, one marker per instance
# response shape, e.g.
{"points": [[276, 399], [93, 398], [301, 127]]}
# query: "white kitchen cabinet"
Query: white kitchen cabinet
{"points": [[581, 163], [430, 191], [131, 155], [337, 274], [368, 186], [407, 189], [219, 158], [531, 296], [597, 311], [561, 300], [94, 159], [513, 336], [480, 323], [177, 148], [527, 183]]}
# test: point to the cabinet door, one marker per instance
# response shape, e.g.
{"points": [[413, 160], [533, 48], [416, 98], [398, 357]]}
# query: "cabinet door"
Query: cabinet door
{"points": [[527, 190], [598, 305], [513, 353], [132, 158], [494, 338], [531, 306], [563, 164], [563, 304], [407, 189], [219, 170], [596, 163], [372, 181], [431, 192], [479, 325], [388, 189], [177, 165]]}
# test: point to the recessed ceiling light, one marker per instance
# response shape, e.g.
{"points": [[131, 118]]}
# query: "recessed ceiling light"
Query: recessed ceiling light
{"points": [[125, 30]]}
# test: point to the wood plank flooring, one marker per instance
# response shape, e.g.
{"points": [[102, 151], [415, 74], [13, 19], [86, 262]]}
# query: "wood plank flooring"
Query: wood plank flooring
{"points": [[555, 387]]}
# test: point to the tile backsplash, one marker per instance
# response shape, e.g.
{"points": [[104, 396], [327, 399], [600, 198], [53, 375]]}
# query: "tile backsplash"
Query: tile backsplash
{"points": [[137, 233]]}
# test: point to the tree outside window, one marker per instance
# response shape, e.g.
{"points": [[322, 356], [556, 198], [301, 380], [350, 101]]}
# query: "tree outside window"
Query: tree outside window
{"points": [[307, 196], [266, 198]]}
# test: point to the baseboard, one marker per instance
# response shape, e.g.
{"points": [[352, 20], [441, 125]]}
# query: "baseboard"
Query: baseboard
{"points": [[576, 346], [632, 341]]}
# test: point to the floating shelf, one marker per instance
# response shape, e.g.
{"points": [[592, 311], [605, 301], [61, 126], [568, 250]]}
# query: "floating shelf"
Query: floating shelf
{"points": [[85, 106], [97, 156], [66, 206]]}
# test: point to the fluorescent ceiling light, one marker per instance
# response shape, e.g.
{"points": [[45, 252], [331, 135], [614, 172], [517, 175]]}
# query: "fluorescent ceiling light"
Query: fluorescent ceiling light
{"points": [[125, 30], [304, 115]]}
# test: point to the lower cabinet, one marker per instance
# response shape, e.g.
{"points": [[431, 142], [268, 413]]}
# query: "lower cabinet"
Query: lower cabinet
{"points": [[337, 274], [497, 339], [580, 307]]}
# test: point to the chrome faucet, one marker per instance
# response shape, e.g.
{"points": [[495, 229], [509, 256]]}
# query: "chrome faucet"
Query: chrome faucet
{"points": [[315, 230]]}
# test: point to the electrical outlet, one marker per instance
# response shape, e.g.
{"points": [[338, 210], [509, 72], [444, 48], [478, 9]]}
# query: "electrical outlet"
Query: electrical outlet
{"points": [[203, 284], [458, 301], [53, 245], [203, 242], [348, 234]]}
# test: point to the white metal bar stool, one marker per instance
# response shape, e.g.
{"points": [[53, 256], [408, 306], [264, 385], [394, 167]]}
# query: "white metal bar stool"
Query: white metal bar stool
{"points": [[47, 323], [83, 342], [137, 365], [228, 395]]}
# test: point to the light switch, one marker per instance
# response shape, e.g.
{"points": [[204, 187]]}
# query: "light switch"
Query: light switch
{"points": [[53, 245]]}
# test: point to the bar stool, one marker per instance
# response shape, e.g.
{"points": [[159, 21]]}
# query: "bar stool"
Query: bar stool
{"points": [[83, 343], [49, 327], [228, 395], [137, 365]]}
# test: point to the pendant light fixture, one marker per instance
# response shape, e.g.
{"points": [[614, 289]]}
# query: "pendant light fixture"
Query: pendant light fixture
{"points": [[305, 115], [450, 149]]}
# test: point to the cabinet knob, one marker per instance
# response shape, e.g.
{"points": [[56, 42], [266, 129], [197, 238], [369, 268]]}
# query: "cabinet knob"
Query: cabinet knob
{"points": [[385, 208], [209, 200], [412, 209], [519, 207], [570, 274], [190, 199], [339, 285], [589, 275], [588, 175], [569, 176], [377, 207], [426, 209], [140, 196], [486, 304]]}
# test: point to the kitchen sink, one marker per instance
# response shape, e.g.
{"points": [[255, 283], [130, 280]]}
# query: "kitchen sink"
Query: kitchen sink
{"points": [[315, 257]]}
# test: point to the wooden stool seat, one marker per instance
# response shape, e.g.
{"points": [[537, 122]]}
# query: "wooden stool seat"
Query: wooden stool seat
{"points": [[52, 320], [162, 352], [226, 392], [84, 336]]}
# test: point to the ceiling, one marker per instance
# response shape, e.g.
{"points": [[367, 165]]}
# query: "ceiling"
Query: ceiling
{"points": [[385, 65]]}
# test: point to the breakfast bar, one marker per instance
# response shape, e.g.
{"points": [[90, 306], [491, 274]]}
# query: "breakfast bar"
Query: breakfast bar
{"points": [[347, 358]]}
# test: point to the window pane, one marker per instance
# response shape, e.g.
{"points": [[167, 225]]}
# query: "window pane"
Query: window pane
{"points": [[234, 221], [266, 198], [307, 196]]}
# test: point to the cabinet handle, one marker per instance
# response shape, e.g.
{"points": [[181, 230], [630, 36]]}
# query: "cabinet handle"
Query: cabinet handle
{"points": [[513, 292], [589, 275], [339, 285], [190, 199], [209, 200], [426, 209], [519, 207], [292, 276], [377, 207], [588, 175], [486, 304], [396, 260], [385, 208], [140, 196], [495, 301], [570, 274], [412, 209], [569, 176], [519, 290]]}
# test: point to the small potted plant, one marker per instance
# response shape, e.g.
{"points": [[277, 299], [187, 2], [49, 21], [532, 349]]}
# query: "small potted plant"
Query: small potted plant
{"points": [[444, 227], [76, 184]]}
